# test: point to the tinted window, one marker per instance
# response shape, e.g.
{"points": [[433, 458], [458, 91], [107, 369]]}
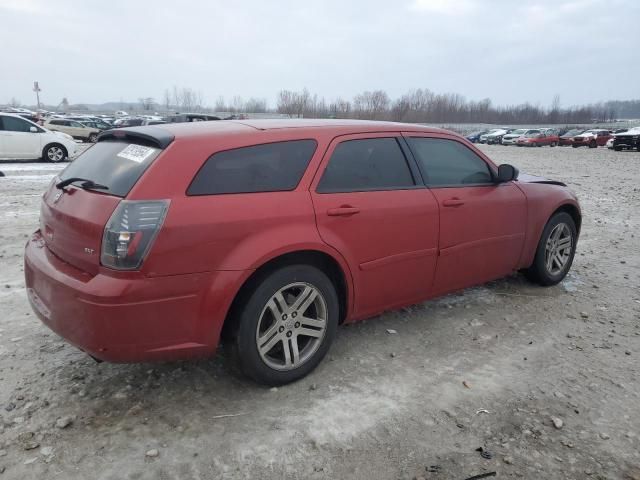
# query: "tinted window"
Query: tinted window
{"points": [[118, 165], [270, 167], [13, 124], [447, 162], [369, 164]]}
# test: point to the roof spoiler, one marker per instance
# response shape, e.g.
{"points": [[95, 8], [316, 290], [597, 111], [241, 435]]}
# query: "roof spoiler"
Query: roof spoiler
{"points": [[156, 136]]}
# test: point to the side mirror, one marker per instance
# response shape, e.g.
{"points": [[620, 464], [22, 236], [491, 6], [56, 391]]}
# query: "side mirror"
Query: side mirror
{"points": [[507, 173], [33, 129]]}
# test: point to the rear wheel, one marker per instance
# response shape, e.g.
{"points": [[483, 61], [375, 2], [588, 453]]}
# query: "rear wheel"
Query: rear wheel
{"points": [[54, 153], [574, 146], [553, 144], [593, 144], [287, 325], [555, 251]]}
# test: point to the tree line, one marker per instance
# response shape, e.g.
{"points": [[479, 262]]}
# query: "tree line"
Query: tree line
{"points": [[425, 106], [417, 106]]}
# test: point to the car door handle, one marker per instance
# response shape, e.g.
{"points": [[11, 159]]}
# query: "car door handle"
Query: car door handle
{"points": [[452, 202], [343, 211]]}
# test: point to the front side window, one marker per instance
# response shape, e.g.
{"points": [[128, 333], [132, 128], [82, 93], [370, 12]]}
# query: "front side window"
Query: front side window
{"points": [[13, 124], [366, 165], [271, 167], [449, 163]]}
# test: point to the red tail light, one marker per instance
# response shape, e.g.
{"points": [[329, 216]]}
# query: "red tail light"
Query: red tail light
{"points": [[130, 232]]}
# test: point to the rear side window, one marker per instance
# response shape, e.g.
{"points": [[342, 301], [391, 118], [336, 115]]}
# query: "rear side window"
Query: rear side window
{"points": [[449, 163], [118, 165], [365, 165], [271, 167]]}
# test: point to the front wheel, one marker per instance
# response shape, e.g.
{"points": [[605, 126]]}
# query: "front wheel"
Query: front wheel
{"points": [[593, 144], [553, 144], [287, 325], [93, 138], [555, 252], [54, 153]]}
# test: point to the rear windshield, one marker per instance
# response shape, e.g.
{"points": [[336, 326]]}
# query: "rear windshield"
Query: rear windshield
{"points": [[118, 165]]}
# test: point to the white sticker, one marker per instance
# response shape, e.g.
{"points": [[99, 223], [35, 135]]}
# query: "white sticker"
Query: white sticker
{"points": [[136, 153]]}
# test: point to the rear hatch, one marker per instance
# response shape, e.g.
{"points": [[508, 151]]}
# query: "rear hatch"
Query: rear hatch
{"points": [[73, 218]]}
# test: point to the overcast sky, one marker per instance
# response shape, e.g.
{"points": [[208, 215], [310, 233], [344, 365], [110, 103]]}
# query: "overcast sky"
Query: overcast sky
{"points": [[508, 50]]}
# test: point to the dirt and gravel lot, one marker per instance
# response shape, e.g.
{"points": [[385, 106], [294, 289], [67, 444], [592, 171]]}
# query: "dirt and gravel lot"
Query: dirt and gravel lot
{"points": [[493, 367]]}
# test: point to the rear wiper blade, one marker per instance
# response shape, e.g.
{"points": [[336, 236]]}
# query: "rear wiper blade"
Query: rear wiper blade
{"points": [[86, 183]]}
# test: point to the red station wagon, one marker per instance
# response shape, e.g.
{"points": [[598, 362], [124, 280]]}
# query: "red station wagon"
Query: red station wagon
{"points": [[159, 241]]}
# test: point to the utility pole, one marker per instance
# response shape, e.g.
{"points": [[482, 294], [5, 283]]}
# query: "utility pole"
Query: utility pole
{"points": [[36, 88]]}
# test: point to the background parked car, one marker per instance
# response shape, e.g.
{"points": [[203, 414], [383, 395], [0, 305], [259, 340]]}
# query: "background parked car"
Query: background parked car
{"points": [[152, 121], [128, 122], [475, 136], [21, 139], [627, 140], [74, 128], [591, 138], [93, 122], [511, 137], [538, 138], [496, 137], [191, 117], [567, 138], [484, 136]]}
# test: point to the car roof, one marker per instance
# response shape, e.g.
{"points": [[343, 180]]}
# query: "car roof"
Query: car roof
{"points": [[339, 127]]}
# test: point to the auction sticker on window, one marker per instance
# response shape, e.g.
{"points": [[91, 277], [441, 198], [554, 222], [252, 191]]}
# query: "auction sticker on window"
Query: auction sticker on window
{"points": [[136, 153]]}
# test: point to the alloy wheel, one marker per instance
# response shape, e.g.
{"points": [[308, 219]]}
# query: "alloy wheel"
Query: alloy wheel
{"points": [[292, 326], [558, 248], [55, 154]]}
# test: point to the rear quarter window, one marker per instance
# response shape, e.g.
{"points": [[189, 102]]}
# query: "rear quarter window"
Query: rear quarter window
{"points": [[270, 167]]}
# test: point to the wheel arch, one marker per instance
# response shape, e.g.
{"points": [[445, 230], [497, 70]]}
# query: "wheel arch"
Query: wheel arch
{"points": [[337, 271], [573, 211]]}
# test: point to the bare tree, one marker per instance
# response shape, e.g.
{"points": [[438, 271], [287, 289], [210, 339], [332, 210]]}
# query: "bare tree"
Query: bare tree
{"points": [[237, 104], [147, 103], [220, 105], [255, 105], [14, 102]]}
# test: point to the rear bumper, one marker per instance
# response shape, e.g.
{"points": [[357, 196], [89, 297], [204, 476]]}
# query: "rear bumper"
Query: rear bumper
{"points": [[128, 318]]}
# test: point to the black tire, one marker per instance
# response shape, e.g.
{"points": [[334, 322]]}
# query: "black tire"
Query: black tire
{"points": [[93, 138], [593, 144], [553, 144], [574, 146], [51, 153], [538, 271], [249, 314], [618, 149]]}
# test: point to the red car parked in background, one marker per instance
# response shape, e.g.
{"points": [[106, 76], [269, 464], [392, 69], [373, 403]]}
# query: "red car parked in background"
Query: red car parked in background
{"points": [[157, 242], [567, 138], [592, 138], [539, 138]]}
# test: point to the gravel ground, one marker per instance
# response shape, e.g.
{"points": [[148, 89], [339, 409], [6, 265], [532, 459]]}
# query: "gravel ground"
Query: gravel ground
{"points": [[544, 380]]}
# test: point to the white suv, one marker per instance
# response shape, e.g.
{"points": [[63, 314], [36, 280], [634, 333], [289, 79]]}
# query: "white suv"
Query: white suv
{"points": [[21, 139], [74, 128]]}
